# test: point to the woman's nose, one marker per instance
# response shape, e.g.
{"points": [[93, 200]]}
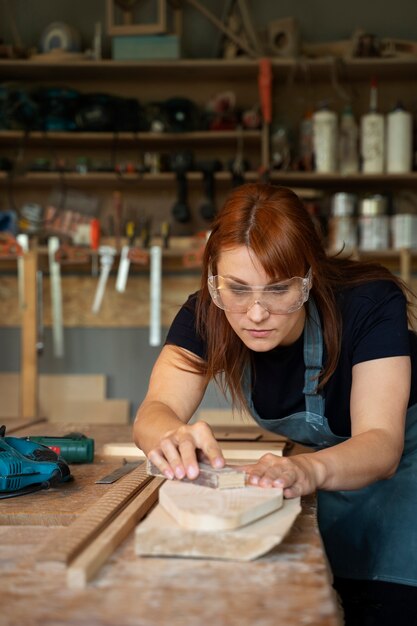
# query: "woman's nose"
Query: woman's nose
{"points": [[257, 312]]}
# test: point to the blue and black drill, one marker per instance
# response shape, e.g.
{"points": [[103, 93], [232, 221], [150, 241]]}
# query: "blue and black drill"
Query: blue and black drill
{"points": [[27, 466]]}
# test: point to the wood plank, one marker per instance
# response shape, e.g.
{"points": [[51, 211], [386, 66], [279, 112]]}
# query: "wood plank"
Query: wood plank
{"points": [[160, 535], [232, 450], [54, 391], [29, 356], [73, 539], [112, 411], [86, 565], [200, 508]]}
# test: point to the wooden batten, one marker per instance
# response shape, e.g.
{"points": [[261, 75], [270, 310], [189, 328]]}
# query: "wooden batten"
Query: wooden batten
{"points": [[29, 371]]}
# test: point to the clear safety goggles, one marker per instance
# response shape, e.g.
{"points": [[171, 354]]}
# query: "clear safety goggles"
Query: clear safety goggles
{"points": [[283, 297]]}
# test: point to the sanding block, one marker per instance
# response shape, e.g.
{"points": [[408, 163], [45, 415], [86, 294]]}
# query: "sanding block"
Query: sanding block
{"points": [[224, 478]]}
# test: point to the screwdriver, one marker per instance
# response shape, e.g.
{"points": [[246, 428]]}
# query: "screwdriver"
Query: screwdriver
{"points": [[95, 242]]}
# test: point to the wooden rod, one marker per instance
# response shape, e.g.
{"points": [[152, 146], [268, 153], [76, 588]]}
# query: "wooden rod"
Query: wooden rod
{"points": [[29, 358]]}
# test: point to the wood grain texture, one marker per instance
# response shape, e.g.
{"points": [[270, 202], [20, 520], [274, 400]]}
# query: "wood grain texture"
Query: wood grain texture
{"points": [[201, 508], [160, 535], [73, 539], [95, 554]]}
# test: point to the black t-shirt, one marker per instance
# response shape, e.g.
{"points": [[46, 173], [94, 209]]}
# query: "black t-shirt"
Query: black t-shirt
{"points": [[374, 325]]}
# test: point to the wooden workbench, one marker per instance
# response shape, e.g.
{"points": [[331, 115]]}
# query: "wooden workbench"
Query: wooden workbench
{"points": [[289, 586]]}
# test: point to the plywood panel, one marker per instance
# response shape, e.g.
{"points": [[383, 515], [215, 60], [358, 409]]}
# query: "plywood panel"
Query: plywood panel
{"points": [[112, 411], [160, 535], [119, 310]]}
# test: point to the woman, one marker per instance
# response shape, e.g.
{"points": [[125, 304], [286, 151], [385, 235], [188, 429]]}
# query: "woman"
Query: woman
{"points": [[317, 349]]}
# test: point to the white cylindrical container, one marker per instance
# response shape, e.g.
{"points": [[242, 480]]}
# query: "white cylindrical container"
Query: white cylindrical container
{"points": [[372, 136], [404, 231], [342, 233], [373, 223], [325, 140], [399, 140], [373, 143], [348, 143]]}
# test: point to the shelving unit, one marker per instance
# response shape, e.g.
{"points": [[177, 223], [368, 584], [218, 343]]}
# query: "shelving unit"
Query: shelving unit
{"points": [[297, 84]]}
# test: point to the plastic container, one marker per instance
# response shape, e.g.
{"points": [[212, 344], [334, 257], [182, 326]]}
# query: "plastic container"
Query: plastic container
{"points": [[399, 140], [372, 136], [348, 143], [325, 140]]}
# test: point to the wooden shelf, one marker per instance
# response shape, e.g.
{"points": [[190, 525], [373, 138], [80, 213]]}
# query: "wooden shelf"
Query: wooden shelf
{"points": [[68, 139], [208, 69], [358, 182]]}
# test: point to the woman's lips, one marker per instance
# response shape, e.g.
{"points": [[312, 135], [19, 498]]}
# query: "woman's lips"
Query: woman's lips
{"points": [[258, 334]]}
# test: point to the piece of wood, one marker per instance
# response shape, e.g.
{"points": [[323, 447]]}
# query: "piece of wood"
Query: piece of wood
{"points": [[55, 390], [73, 539], [160, 535], [232, 450], [29, 367], [112, 411], [87, 564], [201, 508], [224, 478]]}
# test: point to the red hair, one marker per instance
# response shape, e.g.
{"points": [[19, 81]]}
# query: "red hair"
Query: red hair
{"points": [[274, 224]]}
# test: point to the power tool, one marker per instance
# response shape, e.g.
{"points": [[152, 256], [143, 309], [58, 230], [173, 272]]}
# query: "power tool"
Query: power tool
{"points": [[26, 466]]}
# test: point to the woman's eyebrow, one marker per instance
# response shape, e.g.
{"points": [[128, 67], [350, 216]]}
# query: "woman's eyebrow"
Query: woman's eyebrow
{"points": [[242, 282]]}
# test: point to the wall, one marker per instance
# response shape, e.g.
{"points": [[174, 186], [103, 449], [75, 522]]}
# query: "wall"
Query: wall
{"points": [[124, 354], [320, 20]]}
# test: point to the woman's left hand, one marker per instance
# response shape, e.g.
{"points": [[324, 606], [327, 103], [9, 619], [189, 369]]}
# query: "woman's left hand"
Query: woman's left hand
{"points": [[296, 475]]}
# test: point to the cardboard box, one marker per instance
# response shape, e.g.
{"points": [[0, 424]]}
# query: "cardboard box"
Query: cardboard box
{"points": [[140, 47]]}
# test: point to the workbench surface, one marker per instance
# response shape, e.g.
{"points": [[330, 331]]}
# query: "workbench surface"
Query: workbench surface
{"points": [[289, 586]]}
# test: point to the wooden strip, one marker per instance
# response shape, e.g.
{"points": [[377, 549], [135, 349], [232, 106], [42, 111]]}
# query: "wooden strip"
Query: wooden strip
{"points": [[232, 450], [29, 368], [86, 565], [66, 545]]}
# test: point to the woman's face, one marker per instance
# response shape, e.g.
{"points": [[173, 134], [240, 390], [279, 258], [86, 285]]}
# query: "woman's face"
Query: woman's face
{"points": [[257, 328]]}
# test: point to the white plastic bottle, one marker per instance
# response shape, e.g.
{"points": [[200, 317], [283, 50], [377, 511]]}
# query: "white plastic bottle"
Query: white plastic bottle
{"points": [[348, 143], [325, 134], [373, 136], [399, 140]]}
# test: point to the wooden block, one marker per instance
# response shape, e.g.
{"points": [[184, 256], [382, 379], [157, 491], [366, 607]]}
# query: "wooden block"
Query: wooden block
{"points": [[160, 535], [114, 411], [224, 478], [56, 390], [201, 508]]}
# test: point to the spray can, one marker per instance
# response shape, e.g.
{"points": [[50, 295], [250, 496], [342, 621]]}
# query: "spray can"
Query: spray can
{"points": [[373, 136], [325, 139], [399, 140]]}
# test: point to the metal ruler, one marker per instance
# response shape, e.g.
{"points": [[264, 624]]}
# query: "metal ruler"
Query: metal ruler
{"points": [[118, 473]]}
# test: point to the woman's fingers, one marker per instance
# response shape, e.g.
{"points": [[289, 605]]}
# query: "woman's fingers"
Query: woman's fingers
{"points": [[176, 456]]}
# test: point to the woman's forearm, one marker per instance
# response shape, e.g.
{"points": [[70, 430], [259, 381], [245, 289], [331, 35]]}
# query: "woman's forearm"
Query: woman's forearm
{"points": [[357, 462], [153, 420]]}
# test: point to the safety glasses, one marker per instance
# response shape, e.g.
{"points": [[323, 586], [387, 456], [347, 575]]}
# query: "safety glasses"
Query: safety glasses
{"points": [[280, 298]]}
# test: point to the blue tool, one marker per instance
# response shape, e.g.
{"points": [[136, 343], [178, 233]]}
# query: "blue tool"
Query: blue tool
{"points": [[26, 466]]}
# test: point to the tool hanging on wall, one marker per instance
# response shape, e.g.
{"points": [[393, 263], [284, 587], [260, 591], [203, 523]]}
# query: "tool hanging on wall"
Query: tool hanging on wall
{"points": [[208, 206], [107, 254], [23, 241], [155, 296], [124, 263], [265, 88], [181, 163], [56, 298], [94, 244]]}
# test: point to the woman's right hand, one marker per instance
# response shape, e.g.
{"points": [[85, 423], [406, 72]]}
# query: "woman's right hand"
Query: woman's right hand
{"points": [[178, 452]]}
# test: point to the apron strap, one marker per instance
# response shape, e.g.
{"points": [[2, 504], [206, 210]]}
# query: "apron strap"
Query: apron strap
{"points": [[313, 360]]}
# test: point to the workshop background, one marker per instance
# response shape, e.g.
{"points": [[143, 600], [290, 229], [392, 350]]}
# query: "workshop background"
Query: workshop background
{"points": [[142, 133]]}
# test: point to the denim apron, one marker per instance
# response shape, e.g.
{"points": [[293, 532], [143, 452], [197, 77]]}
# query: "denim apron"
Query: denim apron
{"points": [[369, 533]]}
